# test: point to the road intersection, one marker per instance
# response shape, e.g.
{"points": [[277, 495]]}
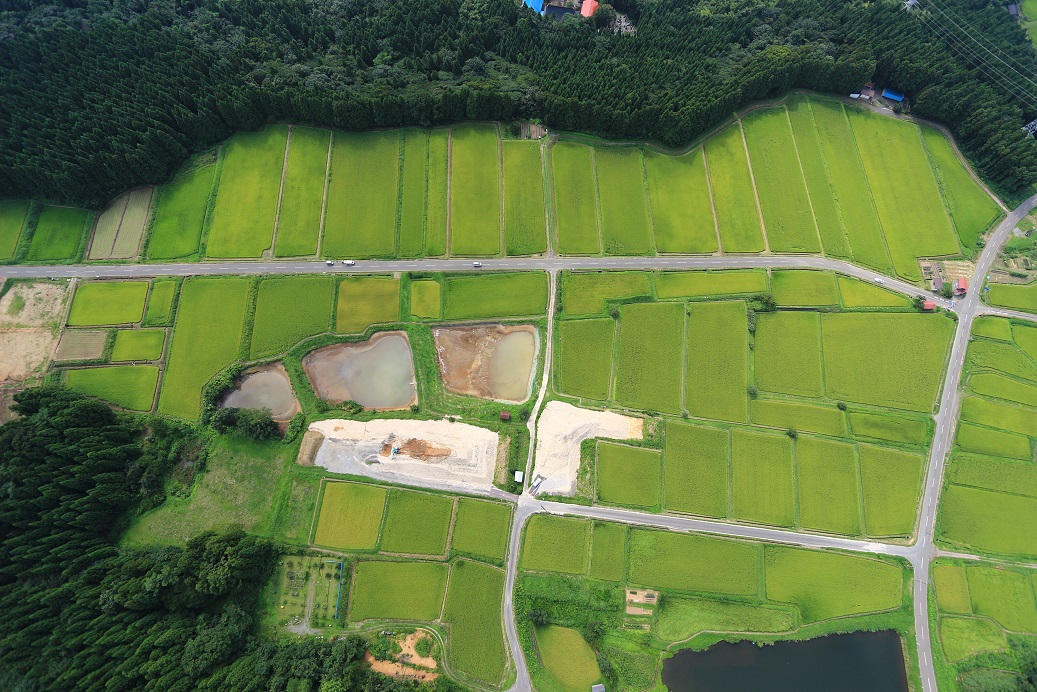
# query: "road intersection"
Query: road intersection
{"points": [[919, 553]]}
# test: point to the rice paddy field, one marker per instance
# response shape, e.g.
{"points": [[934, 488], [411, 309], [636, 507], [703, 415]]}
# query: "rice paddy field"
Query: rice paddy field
{"points": [[475, 191], [525, 223], [682, 211], [575, 196], [209, 323], [247, 194], [473, 610], [1016, 296], [716, 379], [302, 196], [60, 234], [481, 528], [160, 303], [366, 300], [179, 214], [584, 362], [12, 220], [628, 475], [626, 228], [416, 523], [556, 544], [131, 387], [734, 194], [413, 193], [397, 590], [436, 194], [990, 494], [587, 293], [138, 344], [288, 310], [648, 357], [363, 188], [518, 294], [108, 302]]}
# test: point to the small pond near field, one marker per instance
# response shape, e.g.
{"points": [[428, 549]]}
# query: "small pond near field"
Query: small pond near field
{"points": [[492, 361], [858, 662], [377, 373], [267, 387]]}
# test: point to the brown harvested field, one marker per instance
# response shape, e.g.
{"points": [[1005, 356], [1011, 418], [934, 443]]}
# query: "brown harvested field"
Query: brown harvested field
{"points": [[489, 361], [24, 353], [120, 227], [36, 304], [106, 228], [81, 344]]}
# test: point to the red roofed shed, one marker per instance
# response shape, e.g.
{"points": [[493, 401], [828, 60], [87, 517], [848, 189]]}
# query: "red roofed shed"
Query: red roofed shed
{"points": [[588, 7], [929, 305], [961, 286]]}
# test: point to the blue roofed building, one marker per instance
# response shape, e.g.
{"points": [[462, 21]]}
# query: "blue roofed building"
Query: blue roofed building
{"points": [[892, 95], [535, 5]]}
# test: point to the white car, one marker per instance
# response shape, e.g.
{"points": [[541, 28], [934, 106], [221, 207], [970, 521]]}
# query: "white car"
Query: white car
{"points": [[349, 263], [330, 263], [476, 264], [879, 280]]}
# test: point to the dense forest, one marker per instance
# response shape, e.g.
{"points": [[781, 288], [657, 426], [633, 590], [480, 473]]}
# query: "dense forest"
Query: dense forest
{"points": [[81, 613], [101, 95]]}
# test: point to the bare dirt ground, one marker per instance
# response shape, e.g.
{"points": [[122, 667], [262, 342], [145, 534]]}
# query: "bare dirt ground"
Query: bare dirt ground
{"points": [[561, 429], [398, 670], [24, 354], [434, 453], [38, 304], [465, 355], [410, 652], [957, 269], [311, 442]]}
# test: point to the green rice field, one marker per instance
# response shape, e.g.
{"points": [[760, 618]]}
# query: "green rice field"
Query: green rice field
{"points": [[108, 302], [413, 193], [972, 210], [682, 212], [584, 361], [762, 478], [416, 523], [826, 478], [160, 303], [695, 469], [179, 214], [788, 353], [556, 544], [138, 344], [891, 481], [525, 224], [626, 228], [473, 610], [350, 516], [716, 367], [692, 562], [12, 218], [734, 197], [1016, 296], [857, 294], [425, 299], [59, 235], [475, 191], [366, 300], [628, 475], [608, 551], [130, 387], [436, 199], [567, 658], [288, 310], [397, 591], [518, 294], [209, 323], [575, 197], [648, 358], [695, 284], [586, 293], [481, 528], [804, 288], [360, 216], [247, 194], [795, 415], [302, 199], [787, 215]]}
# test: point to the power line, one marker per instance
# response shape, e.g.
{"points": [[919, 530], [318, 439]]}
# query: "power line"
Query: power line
{"points": [[978, 36], [980, 41]]}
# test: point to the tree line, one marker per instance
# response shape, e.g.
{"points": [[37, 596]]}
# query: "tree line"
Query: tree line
{"points": [[105, 95], [81, 613]]}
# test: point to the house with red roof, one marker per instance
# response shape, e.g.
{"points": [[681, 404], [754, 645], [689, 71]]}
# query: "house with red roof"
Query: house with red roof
{"points": [[588, 7], [961, 287]]}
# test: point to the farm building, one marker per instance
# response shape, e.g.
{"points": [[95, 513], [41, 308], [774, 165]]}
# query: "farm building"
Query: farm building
{"points": [[588, 7], [938, 283], [505, 415], [892, 95], [961, 286], [558, 11], [929, 305], [1013, 10], [535, 5]]}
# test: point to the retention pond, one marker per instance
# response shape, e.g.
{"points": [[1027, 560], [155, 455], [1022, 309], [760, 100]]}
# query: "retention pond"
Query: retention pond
{"points": [[490, 361], [377, 373], [862, 661], [267, 387]]}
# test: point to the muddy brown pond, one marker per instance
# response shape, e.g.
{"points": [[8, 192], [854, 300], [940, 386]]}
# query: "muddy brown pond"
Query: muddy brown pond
{"points": [[491, 361], [267, 387], [377, 373]]}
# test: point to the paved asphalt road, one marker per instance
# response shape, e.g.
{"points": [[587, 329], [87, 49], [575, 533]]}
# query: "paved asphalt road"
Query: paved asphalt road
{"points": [[919, 554]]}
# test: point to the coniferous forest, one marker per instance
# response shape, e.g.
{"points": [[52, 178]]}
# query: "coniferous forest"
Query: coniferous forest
{"points": [[102, 95], [82, 613]]}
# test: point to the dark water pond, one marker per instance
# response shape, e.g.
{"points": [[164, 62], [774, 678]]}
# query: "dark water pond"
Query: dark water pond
{"points": [[862, 661]]}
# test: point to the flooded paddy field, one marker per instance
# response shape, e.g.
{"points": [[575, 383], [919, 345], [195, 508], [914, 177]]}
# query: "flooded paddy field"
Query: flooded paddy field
{"points": [[490, 361], [377, 373], [267, 387]]}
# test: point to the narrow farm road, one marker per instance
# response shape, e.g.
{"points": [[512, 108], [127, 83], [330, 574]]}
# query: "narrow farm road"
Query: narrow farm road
{"points": [[1005, 312], [946, 421]]}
